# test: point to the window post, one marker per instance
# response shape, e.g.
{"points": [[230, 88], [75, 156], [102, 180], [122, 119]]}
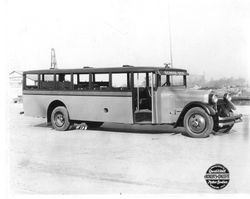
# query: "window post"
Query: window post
{"points": [[147, 80], [38, 81], [185, 80], [72, 81], [91, 79], [24, 81], [110, 80], [152, 98]]}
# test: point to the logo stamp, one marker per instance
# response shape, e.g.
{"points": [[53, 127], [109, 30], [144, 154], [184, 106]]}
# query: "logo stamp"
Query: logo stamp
{"points": [[217, 176]]}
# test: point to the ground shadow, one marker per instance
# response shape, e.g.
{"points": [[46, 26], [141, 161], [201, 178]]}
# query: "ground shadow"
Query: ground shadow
{"points": [[129, 128], [44, 124], [139, 128], [136, 128]]}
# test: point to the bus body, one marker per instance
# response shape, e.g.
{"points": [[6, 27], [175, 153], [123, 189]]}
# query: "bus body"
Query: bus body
{"points": [[127, 94], [82, 106]]}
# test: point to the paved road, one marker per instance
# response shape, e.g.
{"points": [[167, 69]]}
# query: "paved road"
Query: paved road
{"points": [[122, 159]]}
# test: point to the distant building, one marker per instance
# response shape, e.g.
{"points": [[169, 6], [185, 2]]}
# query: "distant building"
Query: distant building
{"points": [[16, 84], [16, 79]]}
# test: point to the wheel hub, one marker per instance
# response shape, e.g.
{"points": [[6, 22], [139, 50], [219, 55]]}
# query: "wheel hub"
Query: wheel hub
{"points": [[197, 123], [59, 119]]}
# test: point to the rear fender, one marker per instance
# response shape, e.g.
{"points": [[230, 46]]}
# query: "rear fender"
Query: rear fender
{"points": [[206, 107]]}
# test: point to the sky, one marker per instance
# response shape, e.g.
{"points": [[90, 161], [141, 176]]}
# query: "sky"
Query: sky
{"points": [[210, 37]]}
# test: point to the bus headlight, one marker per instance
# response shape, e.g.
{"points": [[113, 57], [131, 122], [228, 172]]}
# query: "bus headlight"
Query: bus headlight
{"points": [[213, 99], [228, 97]]}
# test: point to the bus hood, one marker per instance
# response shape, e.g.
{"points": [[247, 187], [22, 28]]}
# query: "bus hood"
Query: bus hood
{"points": [[170, 101], [179, 97]]}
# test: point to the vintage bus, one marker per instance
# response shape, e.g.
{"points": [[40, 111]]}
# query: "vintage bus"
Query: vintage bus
{"points": [[133, 95]]}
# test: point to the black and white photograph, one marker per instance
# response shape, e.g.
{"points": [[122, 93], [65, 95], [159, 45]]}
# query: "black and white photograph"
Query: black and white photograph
{"points": [[127, 97]]}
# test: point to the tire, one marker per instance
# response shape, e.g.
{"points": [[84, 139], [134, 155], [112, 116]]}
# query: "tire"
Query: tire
{"points": [[60, 118], [94, 124], [198, 123]]}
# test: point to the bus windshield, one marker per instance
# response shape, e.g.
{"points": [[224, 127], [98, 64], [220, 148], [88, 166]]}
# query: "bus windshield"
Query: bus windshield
{"points": [[173, 80]]}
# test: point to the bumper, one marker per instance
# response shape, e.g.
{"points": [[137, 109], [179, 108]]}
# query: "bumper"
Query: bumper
{"points": [[228, 121]]}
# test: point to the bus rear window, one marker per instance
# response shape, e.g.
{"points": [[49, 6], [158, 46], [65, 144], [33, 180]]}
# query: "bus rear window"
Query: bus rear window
{"points": [[31, 81]]}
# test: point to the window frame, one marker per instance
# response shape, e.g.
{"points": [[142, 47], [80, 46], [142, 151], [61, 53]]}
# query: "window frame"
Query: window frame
{"points": [[128, 81], [57, 82], [41, 79], [168, 78], [78, 81], [25, 81], [131, 75], [147, 79], [93, 77]]}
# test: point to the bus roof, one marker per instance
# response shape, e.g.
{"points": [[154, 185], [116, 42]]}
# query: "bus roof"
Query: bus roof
{"points": [[107, 70]]}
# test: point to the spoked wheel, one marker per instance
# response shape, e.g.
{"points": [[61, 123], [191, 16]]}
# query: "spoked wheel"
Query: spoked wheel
{"points": [[60, 118], [198, 123]]}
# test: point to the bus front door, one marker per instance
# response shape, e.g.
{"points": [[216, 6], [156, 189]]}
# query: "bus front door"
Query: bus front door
{"points": [[143, 97]]}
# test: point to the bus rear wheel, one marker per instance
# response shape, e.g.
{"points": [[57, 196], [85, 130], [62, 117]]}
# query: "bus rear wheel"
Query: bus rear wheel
{"points": [[60, 118], [198, 123]]}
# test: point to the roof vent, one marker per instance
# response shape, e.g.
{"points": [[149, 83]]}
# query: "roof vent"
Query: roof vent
{"points": [[127, 66]]}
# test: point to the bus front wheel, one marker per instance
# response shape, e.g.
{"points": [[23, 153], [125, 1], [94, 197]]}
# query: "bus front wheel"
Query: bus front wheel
{"points": [[198, 123], [60, 118]]}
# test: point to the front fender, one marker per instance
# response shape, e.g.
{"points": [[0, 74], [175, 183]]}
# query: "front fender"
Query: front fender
{"points": [[206, 107]]}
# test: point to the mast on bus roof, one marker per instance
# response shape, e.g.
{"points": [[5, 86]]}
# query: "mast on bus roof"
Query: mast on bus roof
{"points": [[170, 37], [53, 64]]}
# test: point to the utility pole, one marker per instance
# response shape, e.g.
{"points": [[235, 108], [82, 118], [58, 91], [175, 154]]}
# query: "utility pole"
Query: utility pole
{"points": [[53, 64]]}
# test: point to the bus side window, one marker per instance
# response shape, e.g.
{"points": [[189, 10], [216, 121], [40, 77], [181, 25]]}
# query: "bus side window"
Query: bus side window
{"points": [[101, 81], [31, 81], [47, 81], [120, 81], [140, 80], [63, 81], [81, 81]]}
